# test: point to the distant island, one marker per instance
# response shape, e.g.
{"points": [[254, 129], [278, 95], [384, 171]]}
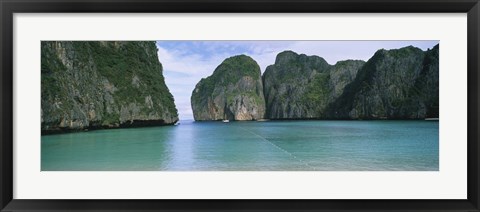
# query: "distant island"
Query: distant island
{"points": [[393, 84]]}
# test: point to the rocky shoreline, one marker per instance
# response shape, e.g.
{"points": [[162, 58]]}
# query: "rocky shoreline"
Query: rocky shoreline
{"points": [[134, 124]]}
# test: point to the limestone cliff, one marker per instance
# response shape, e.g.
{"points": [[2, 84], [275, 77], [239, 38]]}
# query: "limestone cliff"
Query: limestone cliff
{"points": [[89, 85], [393, 84], [234, 91], [301, 86]]}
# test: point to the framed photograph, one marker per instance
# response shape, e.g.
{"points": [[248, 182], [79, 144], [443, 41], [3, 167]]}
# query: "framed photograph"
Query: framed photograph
{"points": [[225, 106]]}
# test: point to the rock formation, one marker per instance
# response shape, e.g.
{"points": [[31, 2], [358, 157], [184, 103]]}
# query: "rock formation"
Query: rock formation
{"points": [[301, 86], [89, 85], [234, 92], [394, 84]]}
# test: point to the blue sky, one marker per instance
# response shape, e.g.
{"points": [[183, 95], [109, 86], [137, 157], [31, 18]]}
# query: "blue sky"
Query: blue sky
{"points": [[186, 62]]}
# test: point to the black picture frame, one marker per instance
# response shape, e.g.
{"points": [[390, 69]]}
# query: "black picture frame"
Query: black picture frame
{"points": [[9, 7]]}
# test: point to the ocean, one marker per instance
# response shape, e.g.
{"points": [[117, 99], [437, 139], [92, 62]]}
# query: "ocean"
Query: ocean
{"points": [[380, 145]]}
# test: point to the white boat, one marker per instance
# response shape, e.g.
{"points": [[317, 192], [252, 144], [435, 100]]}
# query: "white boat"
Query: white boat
{"points": [[226, 120]]}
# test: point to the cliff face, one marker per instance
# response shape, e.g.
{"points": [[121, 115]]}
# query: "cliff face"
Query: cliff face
{"points": [[87, 85], [394, 84], [300, 86], [234, 91]]}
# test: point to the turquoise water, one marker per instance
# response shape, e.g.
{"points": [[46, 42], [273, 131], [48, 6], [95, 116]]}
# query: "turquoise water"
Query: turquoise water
{"points": [[250, 146]]}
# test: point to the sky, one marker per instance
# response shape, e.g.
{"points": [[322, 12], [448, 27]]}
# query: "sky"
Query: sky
{"points": [[186, 62]]}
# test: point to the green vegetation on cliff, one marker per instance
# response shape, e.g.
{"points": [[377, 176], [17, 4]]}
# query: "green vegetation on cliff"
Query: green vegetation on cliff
{"points": [[318, 91]]}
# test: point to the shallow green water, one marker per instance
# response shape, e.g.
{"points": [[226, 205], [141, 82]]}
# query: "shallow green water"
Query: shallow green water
{"points": [[250, 146]]}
